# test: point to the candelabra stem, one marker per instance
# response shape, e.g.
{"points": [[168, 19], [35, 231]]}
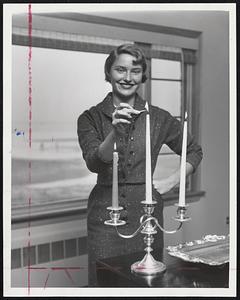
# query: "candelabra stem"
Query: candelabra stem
{"points": [[148, 265]]}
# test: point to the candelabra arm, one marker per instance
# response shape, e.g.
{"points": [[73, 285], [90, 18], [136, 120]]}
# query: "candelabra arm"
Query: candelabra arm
{"points": [[142, 225], [167, 231], [135, 233]]}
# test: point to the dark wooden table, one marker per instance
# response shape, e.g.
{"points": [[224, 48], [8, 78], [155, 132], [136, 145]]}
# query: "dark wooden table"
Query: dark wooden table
{"points": [[116, 272]]}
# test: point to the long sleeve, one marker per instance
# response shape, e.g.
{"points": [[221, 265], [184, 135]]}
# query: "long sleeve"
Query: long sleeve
{"points": [[89, 138]]}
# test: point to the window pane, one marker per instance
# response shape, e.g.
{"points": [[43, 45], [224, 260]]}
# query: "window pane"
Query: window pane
{"points": [[167, 69], [166, 165], [167, 95], [62, 88]]}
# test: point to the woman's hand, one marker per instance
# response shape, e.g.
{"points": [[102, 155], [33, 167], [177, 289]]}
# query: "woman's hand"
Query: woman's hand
{"points": [[165, 185], [122, 116]]}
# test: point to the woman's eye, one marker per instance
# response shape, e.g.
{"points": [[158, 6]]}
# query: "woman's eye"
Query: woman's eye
{"points": [[120, 70], [138, 71]]}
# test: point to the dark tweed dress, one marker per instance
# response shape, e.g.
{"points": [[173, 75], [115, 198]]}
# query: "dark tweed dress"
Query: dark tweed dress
{"points": [[93, 126]]}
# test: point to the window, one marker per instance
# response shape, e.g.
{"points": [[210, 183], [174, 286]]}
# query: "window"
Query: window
{"points": [[170, 87], [59, 177], [166, 92]]}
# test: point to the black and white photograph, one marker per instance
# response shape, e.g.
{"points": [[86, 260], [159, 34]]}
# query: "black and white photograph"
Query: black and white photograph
{"points": [[119, 149]]}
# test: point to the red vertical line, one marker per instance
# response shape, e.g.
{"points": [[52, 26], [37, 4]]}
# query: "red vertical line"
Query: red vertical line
{"points": [[39, 268], [45, 284], [29, 131], [29, 262]]}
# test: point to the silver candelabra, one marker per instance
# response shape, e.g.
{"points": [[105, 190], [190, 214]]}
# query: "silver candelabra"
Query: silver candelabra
{"points": [[148, 226]]}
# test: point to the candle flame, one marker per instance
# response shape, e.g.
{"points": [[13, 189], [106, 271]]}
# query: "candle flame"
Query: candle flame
{"points": [[115, 146], [146, 106], [186, 115]]}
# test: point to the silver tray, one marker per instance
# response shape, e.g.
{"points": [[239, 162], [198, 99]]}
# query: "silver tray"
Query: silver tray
{"points": [[212, 250]]}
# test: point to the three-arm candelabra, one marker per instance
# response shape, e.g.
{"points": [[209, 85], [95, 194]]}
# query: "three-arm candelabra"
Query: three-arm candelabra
{"points": [[148, 226], [148, 223]]}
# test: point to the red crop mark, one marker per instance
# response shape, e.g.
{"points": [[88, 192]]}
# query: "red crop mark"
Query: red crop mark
{"points": [[69, 275], [45, 284], [29, 129], [52, 269], [66, 268], [57, 268], [30, 73]]}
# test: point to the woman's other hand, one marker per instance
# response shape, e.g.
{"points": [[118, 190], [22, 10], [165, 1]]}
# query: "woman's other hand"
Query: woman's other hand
{"points": [[164, 185]]}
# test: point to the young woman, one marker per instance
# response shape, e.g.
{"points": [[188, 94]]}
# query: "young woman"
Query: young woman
{"points": [[120, 119]]}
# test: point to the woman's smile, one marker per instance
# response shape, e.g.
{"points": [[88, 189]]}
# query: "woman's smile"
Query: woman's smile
{"points": [[126, 85]]}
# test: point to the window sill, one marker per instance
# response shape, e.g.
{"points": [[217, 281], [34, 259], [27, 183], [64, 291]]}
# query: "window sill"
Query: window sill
{"points": [[76, 206], [49, 210]]}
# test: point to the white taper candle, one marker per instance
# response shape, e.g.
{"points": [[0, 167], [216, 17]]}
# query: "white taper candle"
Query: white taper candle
{"points": [[115, 178], [183, 165], [148, 178]]}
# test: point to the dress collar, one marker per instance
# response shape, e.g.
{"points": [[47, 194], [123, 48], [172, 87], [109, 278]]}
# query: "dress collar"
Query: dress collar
{"points": [[107, 107]]}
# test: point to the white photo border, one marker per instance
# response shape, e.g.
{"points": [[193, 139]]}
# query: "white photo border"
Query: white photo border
{"points": [[8, 11]]}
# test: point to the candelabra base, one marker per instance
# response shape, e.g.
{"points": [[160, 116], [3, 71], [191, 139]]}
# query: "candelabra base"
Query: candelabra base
{"points": [[148, 266]]}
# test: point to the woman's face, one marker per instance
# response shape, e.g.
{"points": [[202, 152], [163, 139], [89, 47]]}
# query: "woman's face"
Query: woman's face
{"points": [[126, 77]]}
